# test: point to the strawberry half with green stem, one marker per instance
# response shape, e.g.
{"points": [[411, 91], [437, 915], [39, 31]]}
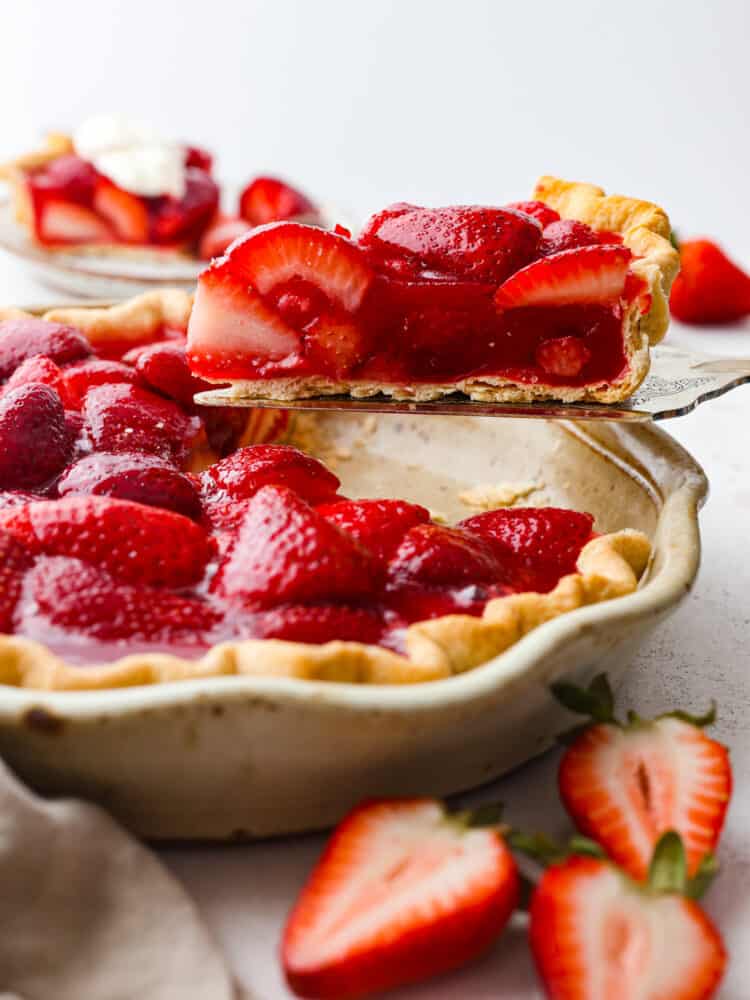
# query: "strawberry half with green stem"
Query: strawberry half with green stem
{"points": [[625, 784], [403, 891], [595, 933]]}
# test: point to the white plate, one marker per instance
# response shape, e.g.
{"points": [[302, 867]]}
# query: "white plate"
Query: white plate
{"points": [[240, 756]]}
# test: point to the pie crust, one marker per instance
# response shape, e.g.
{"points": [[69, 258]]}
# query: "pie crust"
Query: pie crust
{"points": [[608, 567], [645, 230]]}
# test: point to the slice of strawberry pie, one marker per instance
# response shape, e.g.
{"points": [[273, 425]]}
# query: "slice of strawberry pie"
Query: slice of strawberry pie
{"points": [[556, 298]]}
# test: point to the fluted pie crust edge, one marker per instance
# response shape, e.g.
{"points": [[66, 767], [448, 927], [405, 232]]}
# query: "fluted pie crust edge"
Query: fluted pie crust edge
{"points": [[608, 567]]}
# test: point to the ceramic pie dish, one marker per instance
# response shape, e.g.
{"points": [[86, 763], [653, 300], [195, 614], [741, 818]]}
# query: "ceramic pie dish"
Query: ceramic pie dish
{"points": [[256, 756]]}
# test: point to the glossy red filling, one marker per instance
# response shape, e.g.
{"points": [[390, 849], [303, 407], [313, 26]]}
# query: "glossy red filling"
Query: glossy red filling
{"points": [[424, 296], [130, 519], [73, 203]]}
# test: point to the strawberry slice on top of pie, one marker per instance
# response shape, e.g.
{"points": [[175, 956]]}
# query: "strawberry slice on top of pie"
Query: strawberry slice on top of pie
{"points": [[560, 297]]}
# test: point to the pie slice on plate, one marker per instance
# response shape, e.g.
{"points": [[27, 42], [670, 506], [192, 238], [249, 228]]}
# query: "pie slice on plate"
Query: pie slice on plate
{"points": [[557, 298]]}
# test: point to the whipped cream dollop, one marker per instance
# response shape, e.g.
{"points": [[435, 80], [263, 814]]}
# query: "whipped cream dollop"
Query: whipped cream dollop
{"points": [[132, 154]]}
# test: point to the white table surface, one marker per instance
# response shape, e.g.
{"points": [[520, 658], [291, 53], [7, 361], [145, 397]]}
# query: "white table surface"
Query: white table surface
{"points": [[700, 653]]}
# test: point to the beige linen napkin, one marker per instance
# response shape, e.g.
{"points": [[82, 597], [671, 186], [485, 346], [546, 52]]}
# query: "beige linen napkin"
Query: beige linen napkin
{"points": [[88, 913]]}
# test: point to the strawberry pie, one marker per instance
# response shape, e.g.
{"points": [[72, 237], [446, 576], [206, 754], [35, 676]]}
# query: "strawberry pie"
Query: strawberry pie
{"points": [[144, 538], [115, 186], [555, 298]]}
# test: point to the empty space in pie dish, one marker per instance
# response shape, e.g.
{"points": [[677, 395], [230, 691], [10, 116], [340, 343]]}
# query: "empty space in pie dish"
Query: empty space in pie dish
{"points": [[238, 756]]}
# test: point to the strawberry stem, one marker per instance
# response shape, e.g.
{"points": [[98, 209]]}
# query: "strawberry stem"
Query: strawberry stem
{"points": [[668, 871]]}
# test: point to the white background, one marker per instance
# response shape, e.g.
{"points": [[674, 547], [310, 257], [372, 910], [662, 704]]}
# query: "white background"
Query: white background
{"points": [[368, 102]]}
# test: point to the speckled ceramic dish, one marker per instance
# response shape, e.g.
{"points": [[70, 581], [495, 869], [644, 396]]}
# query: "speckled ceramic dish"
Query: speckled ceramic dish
{"points": [[250, 757]]}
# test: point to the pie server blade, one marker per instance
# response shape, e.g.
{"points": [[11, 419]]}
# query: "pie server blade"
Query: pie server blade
{"points": [[679, 381]]}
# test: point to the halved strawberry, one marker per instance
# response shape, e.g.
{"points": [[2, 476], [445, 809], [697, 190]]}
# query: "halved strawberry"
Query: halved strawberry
{"points": [[403, 892], [37, 369], [471, 241], [21, 339], [536, 545], [596, 934], [710, 288], [76, 379], [34, 443], [437, 555], [145, 479], [222, 232], [15, 560], [286, 552], [133, 542], [585, 275], [229, 321], [68, 222], [126, 213], [163, 366], [80, 598], [378, 525], [240, 475], [278, 253], [268, 199], [625, 784], [123, 417]]}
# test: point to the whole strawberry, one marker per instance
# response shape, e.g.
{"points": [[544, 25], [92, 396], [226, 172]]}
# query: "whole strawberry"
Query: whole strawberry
{"points": [[34, 442], [626, 784], [710, 288]]}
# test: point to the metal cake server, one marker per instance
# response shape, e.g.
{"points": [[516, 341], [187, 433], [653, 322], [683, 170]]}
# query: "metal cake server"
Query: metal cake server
{"points": [[679, 381]]}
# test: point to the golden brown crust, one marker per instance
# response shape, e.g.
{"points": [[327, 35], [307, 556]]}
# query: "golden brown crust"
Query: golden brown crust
{"points": [[135, 319], [645, 230], [608, 567]]}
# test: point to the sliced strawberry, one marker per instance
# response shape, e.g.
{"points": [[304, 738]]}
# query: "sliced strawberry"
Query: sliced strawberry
{"points": [[229, 321], [318, 623], [627, 784], [378, 525], [133, 542], [15, 560], [567, 234], [435, 555], [122, 417], [537, 545], [34, 443], [144, 479], [278, 253], [68, 177], [267, 199], [286, 552], [483, 244], [80, 598], [21, 339], [403, 892], [596, 934], [710, 288], [68, 222], [537, 210], [163, 366], [564, 357], [221, 234], [581, 276], [76, 379], [126, 213], [37, 369]]}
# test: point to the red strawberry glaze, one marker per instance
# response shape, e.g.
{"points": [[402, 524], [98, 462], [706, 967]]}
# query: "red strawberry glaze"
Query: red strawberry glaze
{"points": [[112, 545], [425, 295]]}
